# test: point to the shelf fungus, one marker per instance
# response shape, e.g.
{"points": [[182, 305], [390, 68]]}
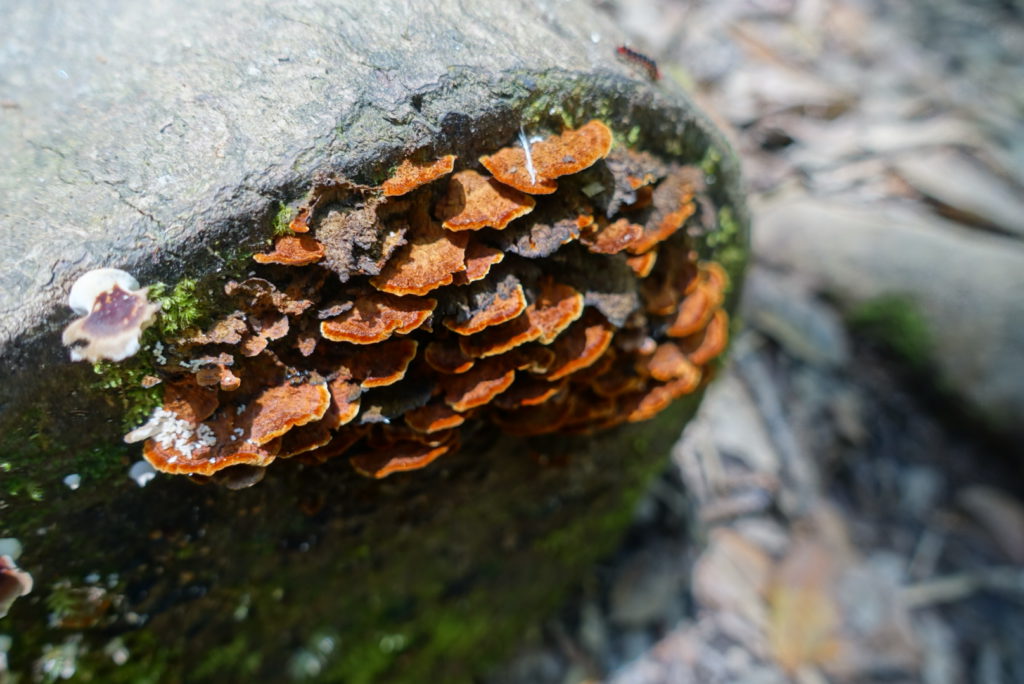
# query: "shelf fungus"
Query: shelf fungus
{"points": [[552, 286], [114, 311]]}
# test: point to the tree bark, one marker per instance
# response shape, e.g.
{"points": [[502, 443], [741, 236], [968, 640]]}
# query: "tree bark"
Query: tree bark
{"points": [[160, 138]]}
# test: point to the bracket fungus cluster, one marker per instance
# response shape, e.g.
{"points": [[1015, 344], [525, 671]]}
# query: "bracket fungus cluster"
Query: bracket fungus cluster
{"points": [[547, 287]]}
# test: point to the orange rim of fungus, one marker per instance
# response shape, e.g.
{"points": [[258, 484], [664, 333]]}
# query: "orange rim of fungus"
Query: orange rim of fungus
{"points": [[292, 250], [375, 317], [503, 308], [411, 174], [475, 201]]}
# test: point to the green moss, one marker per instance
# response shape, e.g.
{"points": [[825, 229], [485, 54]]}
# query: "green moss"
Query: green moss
{"points": [[237, 657], [726, 243], [20, 486], [633, 135], [148, 661], [122, 384], [282, 219], [179, 307], [61, 601], [895, 322], [554, 103], [102, 462], [709, 164]]}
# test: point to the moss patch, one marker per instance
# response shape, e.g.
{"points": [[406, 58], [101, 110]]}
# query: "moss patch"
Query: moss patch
{"points": [[282, 219], [895, 322], [180, 306]]}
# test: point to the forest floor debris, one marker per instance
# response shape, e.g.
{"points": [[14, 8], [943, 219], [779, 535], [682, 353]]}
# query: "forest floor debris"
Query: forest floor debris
{"points": [[835, 513]]}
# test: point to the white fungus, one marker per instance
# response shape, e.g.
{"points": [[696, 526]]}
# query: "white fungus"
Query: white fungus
{"points": [[158, 353], [90, 285], [9, 546], [73, 481], [171, 431], [142, 473], [114, 312]]}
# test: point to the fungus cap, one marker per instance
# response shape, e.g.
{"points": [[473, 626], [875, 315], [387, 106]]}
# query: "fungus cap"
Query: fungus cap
{"points": [[643, 264], [447, 357], [581, 345], [478, 386], [114, 315], [292, 250], [528, 391], [502, 307], [498, 339], [400, 457], [560, 155], [412, 174], [91, 283], [612, 238], [278, 409], [375, 317], [434, 417], [479, 260], [703, 346], [539, 419], [475, 201], [429, 260], [382, 364]]}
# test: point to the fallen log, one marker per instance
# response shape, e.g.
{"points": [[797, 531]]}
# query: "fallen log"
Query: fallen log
{"points": [[176, 142]]}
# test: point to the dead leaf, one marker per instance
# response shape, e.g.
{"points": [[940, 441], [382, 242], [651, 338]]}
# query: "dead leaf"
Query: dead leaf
{"points": [[733, 575], [805, 615]]}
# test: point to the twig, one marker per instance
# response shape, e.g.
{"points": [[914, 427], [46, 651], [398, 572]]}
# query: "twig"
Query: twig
{"points": [[961, 586]]}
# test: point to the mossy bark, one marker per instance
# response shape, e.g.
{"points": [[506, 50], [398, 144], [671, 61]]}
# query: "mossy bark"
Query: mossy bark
{"points": [[167, 151]]}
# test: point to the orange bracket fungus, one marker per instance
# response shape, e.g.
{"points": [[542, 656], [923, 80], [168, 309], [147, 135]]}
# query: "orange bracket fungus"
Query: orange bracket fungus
{"points": [[443, 300], [114, 312], [375, 317], [293, 250], [489, 306], [411, 174], [533, 168], [429, 260], [474, 201], [479, 260]]}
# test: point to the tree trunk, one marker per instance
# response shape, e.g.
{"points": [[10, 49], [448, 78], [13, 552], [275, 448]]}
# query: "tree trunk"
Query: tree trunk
{"points": [[162, 138]]}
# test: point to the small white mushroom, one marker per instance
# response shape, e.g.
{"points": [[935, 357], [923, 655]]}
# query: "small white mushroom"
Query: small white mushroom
{"points": [[142, 473], [114, 313]]}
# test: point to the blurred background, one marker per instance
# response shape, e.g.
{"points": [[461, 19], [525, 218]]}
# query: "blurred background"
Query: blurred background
{"points": [[849, 504]]}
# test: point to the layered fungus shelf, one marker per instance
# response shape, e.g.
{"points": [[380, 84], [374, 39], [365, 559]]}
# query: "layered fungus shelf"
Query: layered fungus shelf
{"points": [[551, 286]]}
